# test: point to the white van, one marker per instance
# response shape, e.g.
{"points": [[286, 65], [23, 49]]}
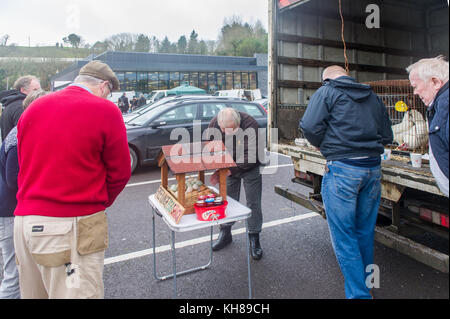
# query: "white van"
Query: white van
{"points": [[156, 95], [250, 95], [116, 95]]}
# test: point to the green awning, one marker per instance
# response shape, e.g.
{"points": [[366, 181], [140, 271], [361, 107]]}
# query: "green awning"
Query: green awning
{"points": [[186, 89]]}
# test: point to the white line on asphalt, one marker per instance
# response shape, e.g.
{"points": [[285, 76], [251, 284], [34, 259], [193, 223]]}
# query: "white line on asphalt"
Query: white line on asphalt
{"points": [[172, 179], [200, 240]]}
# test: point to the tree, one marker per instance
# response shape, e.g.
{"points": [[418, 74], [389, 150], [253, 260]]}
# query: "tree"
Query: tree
{"points": [[4, 40], [182, 45], [142, 43], [193, 43], [121, 42], [73, 39], [202, 48], [165, 46], [242, 39]]}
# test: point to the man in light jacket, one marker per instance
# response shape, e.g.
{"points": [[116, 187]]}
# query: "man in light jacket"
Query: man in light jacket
{"points": [[429, 78]]}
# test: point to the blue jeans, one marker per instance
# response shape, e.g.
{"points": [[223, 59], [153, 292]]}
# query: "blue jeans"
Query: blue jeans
{"points": [[9, 288], [351, 196]]}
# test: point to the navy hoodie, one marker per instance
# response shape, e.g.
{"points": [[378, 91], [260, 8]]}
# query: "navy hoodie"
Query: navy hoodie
{"points": [[9, 170], [346, 119]]}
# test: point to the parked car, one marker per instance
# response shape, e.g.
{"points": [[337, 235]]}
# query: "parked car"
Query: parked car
{"points": [[145, 108], [151, 130]]}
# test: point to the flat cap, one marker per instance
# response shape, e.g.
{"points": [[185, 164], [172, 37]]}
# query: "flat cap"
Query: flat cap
{"points": [[101, 71]]}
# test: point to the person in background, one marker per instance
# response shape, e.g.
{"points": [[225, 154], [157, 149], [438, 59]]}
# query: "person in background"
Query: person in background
{"points": [[349, 123], [232, 124], [142, 100], [124, 105], [9, 170], [74, 161], [429, 78], [12, 102]]}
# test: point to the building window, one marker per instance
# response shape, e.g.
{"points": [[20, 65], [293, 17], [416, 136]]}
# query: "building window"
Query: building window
{"points": [[203, 81], [253, 80], [153, 81], [121, 78], [163, 80], [221, 81], [142, 82], [230, 82], [130, 81], [174, 79], [237, 80], [194, 79], [212, 82], [184, 78], [245, 82]]}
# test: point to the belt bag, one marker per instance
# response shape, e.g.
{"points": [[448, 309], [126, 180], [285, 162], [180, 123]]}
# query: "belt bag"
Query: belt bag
{"points": [[92, 234]]}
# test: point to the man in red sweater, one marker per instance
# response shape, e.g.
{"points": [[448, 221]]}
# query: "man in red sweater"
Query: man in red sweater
{"points": [[74, 161]]}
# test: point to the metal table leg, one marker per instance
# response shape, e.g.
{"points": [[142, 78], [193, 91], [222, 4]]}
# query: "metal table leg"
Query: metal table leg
{"points": [[174, 274], [174, 266], [249, 273]]}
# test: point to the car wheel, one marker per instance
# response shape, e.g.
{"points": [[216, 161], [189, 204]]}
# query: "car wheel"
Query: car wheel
{"points": [[134, 160]]}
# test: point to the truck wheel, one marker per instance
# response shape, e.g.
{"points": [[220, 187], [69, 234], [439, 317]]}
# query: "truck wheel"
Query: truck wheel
{"points": [[134, 160]]}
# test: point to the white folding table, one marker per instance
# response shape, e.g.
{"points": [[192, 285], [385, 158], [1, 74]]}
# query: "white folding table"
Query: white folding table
{"points": [[235, 211]]}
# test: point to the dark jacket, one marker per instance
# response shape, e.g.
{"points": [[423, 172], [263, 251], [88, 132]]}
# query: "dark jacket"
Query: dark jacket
{"points": [[9, 170], [346, 119], [248, 159], [439, 127], [12, 110], [124, 104]]}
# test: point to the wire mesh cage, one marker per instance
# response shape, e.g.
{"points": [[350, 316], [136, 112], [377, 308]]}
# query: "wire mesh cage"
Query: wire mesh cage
{"points": [[407, 113]]}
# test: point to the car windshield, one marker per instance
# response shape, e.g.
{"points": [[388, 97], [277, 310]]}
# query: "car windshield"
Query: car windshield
{"points": [[151, 95]]}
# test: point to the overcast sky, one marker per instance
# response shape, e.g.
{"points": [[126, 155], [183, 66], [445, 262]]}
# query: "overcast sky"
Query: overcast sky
{"points": [[48, 21]]}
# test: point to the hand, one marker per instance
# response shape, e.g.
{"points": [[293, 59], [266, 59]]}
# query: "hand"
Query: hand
{"points": [[214, 178]]}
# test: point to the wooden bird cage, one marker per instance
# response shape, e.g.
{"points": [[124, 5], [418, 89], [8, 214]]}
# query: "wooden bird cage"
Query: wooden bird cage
{"points": [[182, 159]]}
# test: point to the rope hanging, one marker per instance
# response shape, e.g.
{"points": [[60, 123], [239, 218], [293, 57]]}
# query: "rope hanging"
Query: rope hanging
{"points": [[343, 38]]}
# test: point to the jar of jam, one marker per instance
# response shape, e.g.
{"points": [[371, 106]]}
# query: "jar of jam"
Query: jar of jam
{"points": [[218, 201], [209, 202], [201, 203]]}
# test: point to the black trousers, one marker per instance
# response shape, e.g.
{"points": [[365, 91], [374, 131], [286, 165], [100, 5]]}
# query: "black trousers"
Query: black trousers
{"points": [[253, 188]]}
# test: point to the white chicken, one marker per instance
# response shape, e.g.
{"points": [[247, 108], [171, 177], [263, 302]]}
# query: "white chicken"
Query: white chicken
{"points": [[412, 131]]}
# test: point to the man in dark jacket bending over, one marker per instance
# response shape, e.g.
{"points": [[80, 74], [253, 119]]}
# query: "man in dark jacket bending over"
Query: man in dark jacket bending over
{"points": [[233, 126], [349, 123]]}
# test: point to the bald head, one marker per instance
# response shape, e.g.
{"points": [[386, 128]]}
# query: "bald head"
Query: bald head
{"points": [[333, 72]]}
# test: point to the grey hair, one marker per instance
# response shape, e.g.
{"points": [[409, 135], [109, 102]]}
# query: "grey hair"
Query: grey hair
{"points": [[87, 79], [228, 114], [24, 82], [32, 97], [428, 68]]}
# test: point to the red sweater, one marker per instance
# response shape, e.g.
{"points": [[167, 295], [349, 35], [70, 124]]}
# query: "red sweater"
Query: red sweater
{"points": [[73, 155]]}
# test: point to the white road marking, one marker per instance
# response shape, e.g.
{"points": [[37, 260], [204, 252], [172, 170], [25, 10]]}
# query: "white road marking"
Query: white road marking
{"points": [[172, 179], [200, 240]]}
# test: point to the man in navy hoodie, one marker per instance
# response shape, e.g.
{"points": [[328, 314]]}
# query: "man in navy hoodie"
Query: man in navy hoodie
{"points": [[349, 123], [429, 78]]}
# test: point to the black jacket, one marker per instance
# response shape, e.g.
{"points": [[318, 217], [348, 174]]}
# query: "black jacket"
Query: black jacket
{"points": [[9, 170], [12, 102], [347, 119], [246, 157]]}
